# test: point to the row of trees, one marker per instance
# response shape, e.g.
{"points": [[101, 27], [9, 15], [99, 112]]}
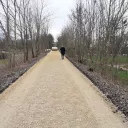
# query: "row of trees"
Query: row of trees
{"points": [[24, 25], [97, 31]]}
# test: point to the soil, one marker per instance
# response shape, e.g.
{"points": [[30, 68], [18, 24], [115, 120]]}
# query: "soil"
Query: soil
{"points": [[10, 76], [118, 94]]}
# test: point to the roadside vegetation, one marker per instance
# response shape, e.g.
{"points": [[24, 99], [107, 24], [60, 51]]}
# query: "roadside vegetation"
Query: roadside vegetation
{"points": [[24, 26], [97, 36]]}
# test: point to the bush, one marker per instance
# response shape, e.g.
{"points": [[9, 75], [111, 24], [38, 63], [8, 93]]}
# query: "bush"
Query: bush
{"points": [[3, 55]]}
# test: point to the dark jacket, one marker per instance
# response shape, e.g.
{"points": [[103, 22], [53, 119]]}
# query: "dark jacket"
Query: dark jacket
{"points": [[62, 50]]}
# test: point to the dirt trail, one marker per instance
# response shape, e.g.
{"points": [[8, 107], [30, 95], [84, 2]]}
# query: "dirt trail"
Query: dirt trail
{"points": [[54, 94]]}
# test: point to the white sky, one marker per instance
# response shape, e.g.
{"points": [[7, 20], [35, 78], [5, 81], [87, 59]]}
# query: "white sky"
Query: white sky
{"points": [[61, 10]]}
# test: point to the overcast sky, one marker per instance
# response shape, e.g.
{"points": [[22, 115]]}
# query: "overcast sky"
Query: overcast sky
{"points": [[61, 9]]}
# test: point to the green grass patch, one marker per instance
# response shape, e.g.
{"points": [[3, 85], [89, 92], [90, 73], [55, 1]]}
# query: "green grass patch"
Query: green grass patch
{"points": [[121, 59], [118, 60], [119, 75], [123, 75], [3, 61]]}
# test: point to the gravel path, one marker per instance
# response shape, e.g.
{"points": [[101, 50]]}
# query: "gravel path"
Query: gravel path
{"points": [[54, 94]]}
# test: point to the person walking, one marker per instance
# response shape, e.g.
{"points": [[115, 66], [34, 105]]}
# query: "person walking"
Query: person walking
{"points": [[62, 50]]}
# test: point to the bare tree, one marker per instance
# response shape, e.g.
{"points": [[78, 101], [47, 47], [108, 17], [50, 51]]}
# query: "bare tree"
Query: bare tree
{"points": [[99, 30], [23, 23]]}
